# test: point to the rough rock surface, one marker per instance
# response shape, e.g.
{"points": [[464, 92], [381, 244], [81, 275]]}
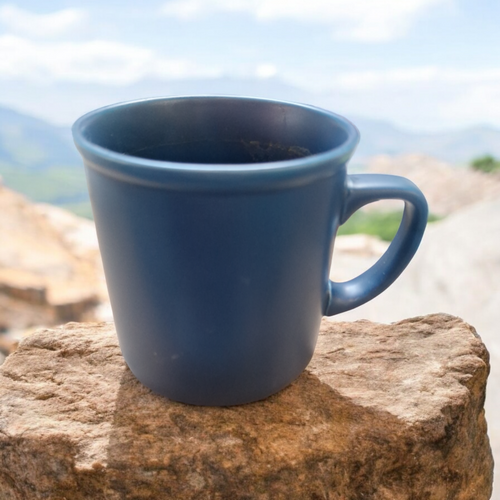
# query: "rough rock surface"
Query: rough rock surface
{"points": [[50, 270], [382, 412], [457, 270], [7, 346]]}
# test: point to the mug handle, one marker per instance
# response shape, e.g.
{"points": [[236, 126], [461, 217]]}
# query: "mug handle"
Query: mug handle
{"points": [[368, 188]]}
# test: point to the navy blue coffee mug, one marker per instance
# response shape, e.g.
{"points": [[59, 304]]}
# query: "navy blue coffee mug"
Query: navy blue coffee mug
{"points": [[216, 218]]}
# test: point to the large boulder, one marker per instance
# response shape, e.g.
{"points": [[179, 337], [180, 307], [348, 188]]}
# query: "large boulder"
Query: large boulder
{"points": [[456, 270], [383, 412]]}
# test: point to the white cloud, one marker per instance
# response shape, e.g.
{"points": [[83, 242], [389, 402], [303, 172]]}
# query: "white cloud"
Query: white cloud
{"points": [[420, 98], [362, 20], [477, 104], [56, 24], [370, 80], [95, 61], [184, 9], [266, 71]]}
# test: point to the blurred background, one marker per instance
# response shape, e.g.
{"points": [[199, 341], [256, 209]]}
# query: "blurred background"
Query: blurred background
{"points": [[420, 79]]}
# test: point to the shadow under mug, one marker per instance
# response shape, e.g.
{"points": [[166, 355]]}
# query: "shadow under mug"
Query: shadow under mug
{"points": [[216, 219]]}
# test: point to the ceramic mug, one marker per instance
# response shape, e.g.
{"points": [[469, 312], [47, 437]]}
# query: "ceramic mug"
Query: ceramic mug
{"points": [[216, 218]]}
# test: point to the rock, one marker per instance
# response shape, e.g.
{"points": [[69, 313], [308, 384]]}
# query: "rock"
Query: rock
{"points": [[447, 188], [382, 412], [361, 245], [457, 270], [7, 346], [354, 254], [78, 234], [47, 275]]}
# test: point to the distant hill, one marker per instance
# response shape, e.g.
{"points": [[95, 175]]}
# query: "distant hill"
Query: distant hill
{"points": [[457, 147], [377, 136], [32, 143], [39, 160]]}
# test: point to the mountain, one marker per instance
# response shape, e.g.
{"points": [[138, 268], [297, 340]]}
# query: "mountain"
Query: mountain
{"points": [[458, 147], [39, 160], [32, 143], [377, 136], [64, 102]]}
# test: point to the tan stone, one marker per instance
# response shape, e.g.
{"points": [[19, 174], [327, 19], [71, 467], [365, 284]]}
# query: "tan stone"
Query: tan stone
{"points": [[382, 412], [447, 187], [7, 345], [353, 254], [457, 270], [50, 269]]}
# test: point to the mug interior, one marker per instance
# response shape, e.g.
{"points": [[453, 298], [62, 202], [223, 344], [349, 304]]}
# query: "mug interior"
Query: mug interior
{"points": [[215, 130]]}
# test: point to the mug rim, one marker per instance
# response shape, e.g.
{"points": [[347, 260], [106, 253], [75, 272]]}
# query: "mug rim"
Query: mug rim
{"points": [[154, 172]]}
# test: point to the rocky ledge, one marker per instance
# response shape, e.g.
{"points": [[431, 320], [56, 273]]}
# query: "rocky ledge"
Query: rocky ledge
{"points": [[382, 412], [50, 269]]}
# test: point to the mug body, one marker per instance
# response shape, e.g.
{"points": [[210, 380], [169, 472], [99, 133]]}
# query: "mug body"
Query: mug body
{"points": [[216, 218]]}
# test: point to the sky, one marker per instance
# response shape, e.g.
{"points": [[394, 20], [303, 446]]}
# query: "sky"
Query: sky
{"points": [[421, 64]]}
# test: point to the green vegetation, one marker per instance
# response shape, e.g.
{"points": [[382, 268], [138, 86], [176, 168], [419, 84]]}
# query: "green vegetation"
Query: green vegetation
{"points": [[381, 224], [40, 161], [486, 164], [82, 209], [62, 186]]}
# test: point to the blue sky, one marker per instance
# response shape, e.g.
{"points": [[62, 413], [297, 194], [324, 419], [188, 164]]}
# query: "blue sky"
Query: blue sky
{"points": [[422, 64]]}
